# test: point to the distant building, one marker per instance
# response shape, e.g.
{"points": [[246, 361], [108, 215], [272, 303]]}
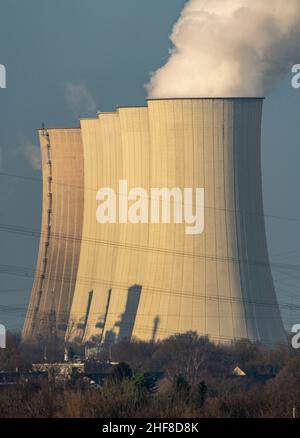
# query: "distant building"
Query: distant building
{"points": [[238, 372], [9, 378], [60, 371]]}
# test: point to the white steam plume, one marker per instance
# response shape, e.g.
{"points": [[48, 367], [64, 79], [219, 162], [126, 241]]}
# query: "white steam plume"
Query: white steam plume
{"points": [[229, 48]]}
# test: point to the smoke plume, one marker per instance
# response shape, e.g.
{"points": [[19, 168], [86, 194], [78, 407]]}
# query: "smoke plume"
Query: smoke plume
{"points": [[229, 48]]}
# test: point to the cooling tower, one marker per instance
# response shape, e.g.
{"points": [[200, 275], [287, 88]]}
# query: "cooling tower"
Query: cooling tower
{"points": [[61, 230], [152, 280]]}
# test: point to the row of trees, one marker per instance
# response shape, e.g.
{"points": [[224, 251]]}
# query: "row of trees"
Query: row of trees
{"points": [[197, 382]]}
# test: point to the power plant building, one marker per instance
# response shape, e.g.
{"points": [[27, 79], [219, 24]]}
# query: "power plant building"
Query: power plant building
{"points": [[61, 230], [109, 281]]}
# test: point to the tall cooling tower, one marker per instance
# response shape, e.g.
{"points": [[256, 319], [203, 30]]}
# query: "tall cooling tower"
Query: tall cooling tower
{"points": [[153, 280], [61, 231]]}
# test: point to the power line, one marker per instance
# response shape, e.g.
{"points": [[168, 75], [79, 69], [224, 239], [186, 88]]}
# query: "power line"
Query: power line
{"points": [[29, 272], [85, 188], [140, 248]]}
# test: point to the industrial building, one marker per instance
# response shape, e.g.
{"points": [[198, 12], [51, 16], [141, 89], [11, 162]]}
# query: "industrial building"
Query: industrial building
{"points": [[58, 258], [109, 281]]}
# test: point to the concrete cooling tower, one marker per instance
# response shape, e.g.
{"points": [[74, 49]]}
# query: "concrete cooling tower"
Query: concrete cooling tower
{"points": [[61, 230], [146, 279]]}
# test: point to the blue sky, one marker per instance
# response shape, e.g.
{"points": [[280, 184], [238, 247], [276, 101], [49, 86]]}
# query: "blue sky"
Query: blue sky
{"points": [[69, 58]]}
